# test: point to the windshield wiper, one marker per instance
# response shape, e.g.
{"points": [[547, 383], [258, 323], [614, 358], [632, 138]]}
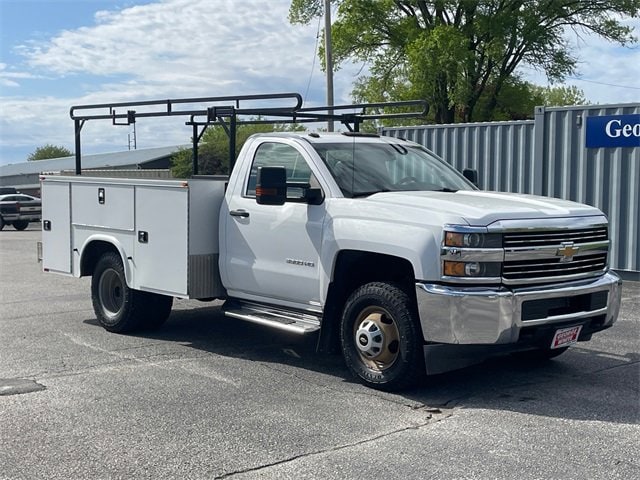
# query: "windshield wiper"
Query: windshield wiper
{"points": [[445, 189], [399, 148]]}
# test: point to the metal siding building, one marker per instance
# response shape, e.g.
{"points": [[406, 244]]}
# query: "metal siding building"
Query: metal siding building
{"points": [[25, 176], [548, 156]]}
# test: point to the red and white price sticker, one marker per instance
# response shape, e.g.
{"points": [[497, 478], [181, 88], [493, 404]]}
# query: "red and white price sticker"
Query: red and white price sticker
{"points": [[566, 336]]}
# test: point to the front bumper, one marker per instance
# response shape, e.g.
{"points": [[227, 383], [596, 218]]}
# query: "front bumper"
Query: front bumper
{"points": [[494, 316], [10, 217], [30, 217], [16, 217]]}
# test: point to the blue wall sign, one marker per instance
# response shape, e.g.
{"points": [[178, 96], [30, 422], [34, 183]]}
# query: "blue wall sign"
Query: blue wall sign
{"points": [[613, 131]]}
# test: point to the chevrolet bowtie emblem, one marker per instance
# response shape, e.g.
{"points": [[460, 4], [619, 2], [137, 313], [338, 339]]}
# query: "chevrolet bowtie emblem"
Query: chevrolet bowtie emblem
{"points": [[567, 251]]}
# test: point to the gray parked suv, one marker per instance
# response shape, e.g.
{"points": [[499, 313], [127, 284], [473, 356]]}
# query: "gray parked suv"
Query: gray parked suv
{"points": [[18, 210]]}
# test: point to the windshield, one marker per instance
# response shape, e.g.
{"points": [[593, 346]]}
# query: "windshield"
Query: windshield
{"points": [[362, 168]]}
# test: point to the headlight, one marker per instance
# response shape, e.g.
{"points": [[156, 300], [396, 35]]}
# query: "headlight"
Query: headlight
{"points": [[473, 240], [471, 255]]}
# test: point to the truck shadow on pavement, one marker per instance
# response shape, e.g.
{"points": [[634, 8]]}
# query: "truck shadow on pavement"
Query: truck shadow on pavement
{"points": [[582, 384]]}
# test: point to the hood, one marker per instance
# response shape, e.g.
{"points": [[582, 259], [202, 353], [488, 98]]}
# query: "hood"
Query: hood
{"points": [[479, 208]]}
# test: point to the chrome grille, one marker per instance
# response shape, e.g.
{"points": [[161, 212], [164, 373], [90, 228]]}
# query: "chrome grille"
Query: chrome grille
{"points": [[541, 256], [555, 237], [554, 267]]}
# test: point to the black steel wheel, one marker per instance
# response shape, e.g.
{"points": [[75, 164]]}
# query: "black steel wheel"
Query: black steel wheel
{"points": [[118, 308], [381, 338]]}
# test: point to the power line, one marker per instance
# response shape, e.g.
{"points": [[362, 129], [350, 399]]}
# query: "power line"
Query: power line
{"points": [[313, 65], [584, 80], [603, 83]]}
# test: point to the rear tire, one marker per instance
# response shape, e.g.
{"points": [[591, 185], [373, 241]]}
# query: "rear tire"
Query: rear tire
{"points": [[20, 224], [381, 338], [121, 309]]}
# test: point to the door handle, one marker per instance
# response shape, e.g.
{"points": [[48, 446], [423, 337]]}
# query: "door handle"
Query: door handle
{"points": [[239, 213]]}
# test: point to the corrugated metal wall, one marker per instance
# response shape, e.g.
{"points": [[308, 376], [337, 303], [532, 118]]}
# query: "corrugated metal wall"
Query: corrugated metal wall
{"points": [[547, 156], [501, 152], [608, 178]]}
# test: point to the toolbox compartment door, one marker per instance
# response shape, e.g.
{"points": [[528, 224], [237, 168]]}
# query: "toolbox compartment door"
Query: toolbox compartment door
{"points": [[56, 227], [161, 239]]}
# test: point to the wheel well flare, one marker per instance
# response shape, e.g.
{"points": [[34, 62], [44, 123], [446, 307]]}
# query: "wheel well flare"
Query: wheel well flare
{"points": [[92, 253], [353, 269]]}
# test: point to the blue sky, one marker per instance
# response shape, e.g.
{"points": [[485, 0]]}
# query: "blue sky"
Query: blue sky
{"points": [[58, 53]]}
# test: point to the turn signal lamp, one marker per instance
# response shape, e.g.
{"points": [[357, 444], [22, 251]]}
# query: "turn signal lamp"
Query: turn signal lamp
{"points": [[473, 240], [471, 269]]}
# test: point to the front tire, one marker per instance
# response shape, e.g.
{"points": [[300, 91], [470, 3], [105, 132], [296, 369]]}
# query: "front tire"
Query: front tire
{"points": [[121, 309], [381, 338], [1, 223]]}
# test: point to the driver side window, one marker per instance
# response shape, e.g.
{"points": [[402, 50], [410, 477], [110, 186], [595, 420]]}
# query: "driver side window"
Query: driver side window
{"points": [[272, 154]]}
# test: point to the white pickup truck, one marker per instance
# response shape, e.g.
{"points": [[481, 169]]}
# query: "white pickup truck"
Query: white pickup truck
{"points": [[369, 242]]}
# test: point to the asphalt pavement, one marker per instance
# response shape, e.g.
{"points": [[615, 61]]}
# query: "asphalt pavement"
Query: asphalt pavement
{"points": [[211, 397]]}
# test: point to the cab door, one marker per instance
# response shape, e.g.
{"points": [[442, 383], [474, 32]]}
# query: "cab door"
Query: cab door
{"points": [[273, 251]]}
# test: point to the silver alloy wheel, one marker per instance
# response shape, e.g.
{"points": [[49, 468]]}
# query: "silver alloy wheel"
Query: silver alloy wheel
{"points": [[111, 293], [376, 338]]}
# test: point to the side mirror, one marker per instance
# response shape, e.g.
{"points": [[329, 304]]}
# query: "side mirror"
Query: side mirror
{"points": [[271, 186], [471, 175]]}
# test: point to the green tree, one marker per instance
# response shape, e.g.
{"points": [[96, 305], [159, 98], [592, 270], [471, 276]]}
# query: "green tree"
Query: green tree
{"points": [[213, 149], [559, 96], [518, 99], [49, 151], [461, 55], [181, 162]]}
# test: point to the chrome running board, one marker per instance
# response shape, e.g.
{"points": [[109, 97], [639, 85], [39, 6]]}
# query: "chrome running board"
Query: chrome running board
{"points": [[281, 319]]}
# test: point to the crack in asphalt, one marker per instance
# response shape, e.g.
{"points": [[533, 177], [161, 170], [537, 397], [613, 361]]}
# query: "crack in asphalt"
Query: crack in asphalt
{"points": [[454, 402], [431, 420]]}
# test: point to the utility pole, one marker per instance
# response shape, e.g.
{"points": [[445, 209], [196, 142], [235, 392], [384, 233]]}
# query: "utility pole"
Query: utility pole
{"points": [[328, 60]]}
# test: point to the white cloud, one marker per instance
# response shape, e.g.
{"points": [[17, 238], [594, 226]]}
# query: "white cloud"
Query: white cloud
{"points": [[193, 48], [606, 72], [8, 77], [184, 44], [168, 49]]}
